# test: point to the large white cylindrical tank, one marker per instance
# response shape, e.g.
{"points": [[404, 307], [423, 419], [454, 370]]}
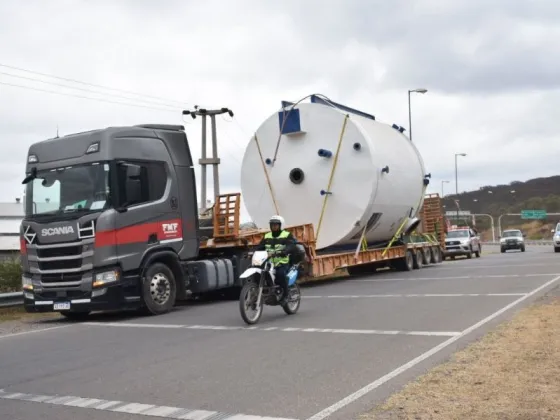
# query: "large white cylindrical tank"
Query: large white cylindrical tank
{"points": [[377, 183]]}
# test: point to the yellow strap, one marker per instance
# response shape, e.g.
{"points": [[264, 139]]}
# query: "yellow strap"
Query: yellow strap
{"points": [[397, 233], [266, 174], [331, 176]]}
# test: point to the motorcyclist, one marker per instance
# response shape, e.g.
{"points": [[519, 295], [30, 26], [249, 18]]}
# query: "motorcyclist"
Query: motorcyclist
{"points": [[283, 244]]}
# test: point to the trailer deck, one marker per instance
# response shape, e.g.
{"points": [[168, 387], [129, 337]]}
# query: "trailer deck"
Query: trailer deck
{"points": [[410, 252]]}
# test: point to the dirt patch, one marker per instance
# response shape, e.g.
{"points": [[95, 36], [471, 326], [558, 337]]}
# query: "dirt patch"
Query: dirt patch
{"points": [[16, 320], [511, 373]]}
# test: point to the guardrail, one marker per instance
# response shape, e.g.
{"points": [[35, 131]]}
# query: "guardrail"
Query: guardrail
{"points": [[543, 242], [11, 299]]}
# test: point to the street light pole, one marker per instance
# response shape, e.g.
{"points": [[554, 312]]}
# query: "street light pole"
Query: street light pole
{"points": [[457, 179], [410, 111], [443, 182]]}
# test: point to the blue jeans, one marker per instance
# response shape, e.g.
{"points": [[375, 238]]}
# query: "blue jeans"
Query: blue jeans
{"points": [[281, 280]]}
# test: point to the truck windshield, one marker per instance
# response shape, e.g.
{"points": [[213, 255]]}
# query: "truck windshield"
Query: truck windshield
{"points": [[81, 188], [458, 234], [512, 234]]}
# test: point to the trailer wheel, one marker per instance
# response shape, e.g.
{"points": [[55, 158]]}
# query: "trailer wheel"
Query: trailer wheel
{"points": [[405, 263], [433, 256], [159, 289], [418, 259], [426, 256], [437, 255]]}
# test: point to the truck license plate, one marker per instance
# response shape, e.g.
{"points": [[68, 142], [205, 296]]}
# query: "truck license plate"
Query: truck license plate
{"points": [[61, 306]]}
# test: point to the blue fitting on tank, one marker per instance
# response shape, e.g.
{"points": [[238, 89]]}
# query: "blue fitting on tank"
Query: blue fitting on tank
{"points": [[268, 161], [323, 192], [324, 153], [395, 126]]}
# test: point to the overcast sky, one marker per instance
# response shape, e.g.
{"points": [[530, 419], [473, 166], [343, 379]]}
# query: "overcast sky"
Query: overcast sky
{"points": [[492, 70]]}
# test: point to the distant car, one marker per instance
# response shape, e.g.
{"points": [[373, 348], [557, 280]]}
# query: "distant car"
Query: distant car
{"points": [[512, 239], [463, 241], [556, 238]]}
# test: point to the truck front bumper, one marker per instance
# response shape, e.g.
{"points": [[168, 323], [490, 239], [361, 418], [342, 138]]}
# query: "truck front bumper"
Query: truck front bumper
{"points": [[511, 245], [456, 250], [123, 295]]}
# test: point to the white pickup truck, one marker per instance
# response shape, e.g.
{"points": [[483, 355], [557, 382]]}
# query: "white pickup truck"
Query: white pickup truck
{"points": [[462, 241], [556, 238]]}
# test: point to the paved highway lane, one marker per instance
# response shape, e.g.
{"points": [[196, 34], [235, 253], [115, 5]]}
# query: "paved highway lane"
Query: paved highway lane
{"points": [[352, 343]]}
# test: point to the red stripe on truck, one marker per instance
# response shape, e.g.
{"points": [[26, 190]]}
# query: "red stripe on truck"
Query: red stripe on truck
{"points": [[165, 229]]}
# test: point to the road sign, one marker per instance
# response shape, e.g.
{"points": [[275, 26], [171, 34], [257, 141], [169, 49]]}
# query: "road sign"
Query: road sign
{"points": [[533, 214], [461, 213]]}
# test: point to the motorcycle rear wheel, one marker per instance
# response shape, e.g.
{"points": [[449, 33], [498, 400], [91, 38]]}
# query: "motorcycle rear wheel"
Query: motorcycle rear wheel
{"points": [[249, 294]]}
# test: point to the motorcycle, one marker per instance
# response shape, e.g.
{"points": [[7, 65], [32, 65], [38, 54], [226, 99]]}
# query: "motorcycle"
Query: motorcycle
{"points": [[260, 288]]}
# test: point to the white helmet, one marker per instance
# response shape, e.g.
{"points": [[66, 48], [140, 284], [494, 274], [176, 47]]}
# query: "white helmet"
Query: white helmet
{"points": [[277, 219]]}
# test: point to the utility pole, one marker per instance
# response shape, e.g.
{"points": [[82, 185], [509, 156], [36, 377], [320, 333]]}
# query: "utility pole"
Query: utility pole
{"points": [[457, 180], [214, 160], [410, 111]]}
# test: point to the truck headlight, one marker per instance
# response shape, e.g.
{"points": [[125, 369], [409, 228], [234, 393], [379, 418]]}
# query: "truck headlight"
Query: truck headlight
{"points": [[105, 277], [26, 283]]}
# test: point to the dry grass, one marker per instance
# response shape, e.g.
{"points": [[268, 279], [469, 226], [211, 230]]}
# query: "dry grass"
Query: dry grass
{"points": [[19, 314], [511, 373]]}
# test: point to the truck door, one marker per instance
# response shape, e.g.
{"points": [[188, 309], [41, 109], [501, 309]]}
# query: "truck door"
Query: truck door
{"points": [[146, 217]]}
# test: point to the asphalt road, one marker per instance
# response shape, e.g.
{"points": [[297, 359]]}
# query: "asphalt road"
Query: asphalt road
{"points": [[352, 344]]}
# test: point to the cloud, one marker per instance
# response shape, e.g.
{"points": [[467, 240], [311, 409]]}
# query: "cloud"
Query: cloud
{"points": [[490, 67]]}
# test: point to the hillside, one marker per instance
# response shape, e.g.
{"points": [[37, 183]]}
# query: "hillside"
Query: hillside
{"points": [[534, 194]]}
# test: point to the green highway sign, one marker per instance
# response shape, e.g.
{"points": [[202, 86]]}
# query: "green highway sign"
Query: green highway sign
{"points": [[533, 214]]}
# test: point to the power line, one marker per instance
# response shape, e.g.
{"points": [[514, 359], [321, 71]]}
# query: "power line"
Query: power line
{"points": [[87, 97], [80, 89], [92, 84]]}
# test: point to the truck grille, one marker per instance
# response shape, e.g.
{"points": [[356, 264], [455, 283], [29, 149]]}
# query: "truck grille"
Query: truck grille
{"points": [[74, 263], [62, 264], [61, 278], [65, 251]]}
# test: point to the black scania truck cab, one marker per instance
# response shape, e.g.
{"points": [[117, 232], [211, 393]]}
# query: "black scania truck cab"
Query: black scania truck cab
{"points": [[111, 222]]}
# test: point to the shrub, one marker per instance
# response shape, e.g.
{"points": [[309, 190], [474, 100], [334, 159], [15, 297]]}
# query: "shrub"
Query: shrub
{"points": [[10, 275]]}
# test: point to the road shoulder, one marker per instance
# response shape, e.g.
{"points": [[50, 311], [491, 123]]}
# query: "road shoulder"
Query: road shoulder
{"points": [[511, 372]]}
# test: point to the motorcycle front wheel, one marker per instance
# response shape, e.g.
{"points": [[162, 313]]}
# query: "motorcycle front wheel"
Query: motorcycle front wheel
{"points": [[247, 303], [292, 306]]}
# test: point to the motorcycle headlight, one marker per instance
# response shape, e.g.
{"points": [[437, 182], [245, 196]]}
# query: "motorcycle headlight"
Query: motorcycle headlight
{"points": [[259, 257]]}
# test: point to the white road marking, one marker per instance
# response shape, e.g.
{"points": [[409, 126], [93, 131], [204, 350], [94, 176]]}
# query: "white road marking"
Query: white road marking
{"points": [[492, 276], [131, 407], [415, 295], [470, 266], [35, 331], [377, 383], [286, 329]]}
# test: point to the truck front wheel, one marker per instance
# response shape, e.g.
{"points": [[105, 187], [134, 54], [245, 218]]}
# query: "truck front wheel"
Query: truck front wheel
{"points": [[159, 289]]}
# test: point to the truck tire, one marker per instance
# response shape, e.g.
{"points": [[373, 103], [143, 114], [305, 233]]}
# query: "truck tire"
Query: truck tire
{"points": [[469, 255], [418, 263], [426, 256], [438, 256], [406, 263], [159, 289]]}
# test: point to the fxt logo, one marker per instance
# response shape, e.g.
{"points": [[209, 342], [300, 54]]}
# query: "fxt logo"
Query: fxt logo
{"points": [[170, 229], [63, 230]]}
